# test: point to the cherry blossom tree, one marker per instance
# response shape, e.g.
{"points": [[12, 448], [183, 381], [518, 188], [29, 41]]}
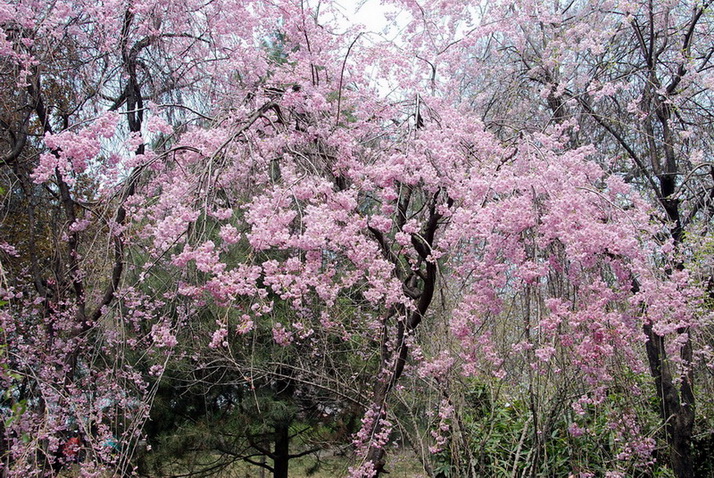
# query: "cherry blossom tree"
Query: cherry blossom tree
{"points": [[631, 78], [244, 163], [79, 77]]}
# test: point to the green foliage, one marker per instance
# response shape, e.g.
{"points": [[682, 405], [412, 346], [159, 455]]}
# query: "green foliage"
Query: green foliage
{"points": [[503, 437], [276, 48], [442, 465], [702, 453], [12, 409]]}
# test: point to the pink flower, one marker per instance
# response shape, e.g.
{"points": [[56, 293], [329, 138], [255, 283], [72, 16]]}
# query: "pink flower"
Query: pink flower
{"points": [[281, 335], [575, 430]]}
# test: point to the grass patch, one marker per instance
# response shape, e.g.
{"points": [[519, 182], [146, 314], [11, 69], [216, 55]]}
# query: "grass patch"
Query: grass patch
{"points": [[401, 464]]}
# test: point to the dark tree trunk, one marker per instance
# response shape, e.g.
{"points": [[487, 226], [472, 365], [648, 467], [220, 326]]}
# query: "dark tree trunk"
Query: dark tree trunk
{"points": [[394, 346], [676, 404], [281, 455]]}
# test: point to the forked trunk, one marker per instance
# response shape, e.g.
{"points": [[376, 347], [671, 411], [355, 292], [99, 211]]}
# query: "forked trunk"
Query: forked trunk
{"points": [[676, 404]]}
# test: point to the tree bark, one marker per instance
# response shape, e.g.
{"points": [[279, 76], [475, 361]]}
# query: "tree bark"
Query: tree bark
{"points": [[676, 405], [394, 357], [281, 454]]}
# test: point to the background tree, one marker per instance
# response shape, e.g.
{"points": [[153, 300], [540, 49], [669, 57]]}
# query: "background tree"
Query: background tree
{"points": [[633, 79]]}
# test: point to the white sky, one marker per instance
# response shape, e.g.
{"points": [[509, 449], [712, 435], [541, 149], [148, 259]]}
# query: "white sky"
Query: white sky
{"points": [[370, 13]]}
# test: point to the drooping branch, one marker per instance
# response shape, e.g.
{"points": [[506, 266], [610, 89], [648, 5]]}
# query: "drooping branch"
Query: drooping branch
{"points": [[687, 46], [66, 200], [602, 121]]}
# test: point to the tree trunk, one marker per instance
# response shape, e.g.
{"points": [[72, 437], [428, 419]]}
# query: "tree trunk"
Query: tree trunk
{"points": [[281, 455], [676, 405]]}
